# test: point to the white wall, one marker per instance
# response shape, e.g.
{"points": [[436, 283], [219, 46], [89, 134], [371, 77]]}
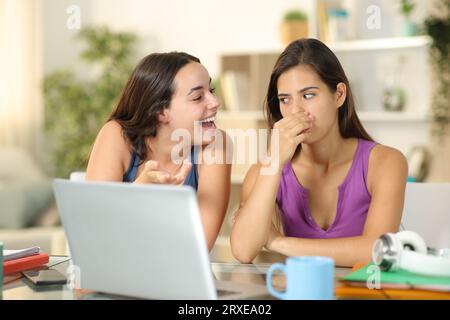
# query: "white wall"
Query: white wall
{"points": [[61, 49], [204, 28]]}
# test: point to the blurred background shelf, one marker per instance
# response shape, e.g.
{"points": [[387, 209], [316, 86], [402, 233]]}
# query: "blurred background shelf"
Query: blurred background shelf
{"points": [[393, 116], [380, 44], [389, 43], [369, 116]]}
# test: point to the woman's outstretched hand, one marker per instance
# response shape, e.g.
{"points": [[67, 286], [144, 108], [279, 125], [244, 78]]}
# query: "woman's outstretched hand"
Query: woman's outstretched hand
{"points": [[154, 175]]}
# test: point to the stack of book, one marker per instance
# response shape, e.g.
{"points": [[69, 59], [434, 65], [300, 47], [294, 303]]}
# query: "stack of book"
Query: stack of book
{"points": [[367, 283], [24, 259]]}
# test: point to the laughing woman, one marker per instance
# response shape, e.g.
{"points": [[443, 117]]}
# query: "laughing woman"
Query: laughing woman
{"points": [[166, 93], [334, 189]]}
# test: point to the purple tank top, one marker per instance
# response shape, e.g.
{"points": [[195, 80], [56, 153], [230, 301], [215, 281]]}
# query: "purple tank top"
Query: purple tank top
{"points": [[353, 201]]}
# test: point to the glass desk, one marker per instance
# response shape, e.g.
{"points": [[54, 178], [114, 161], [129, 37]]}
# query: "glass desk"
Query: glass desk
{"points": [[253, 274]]}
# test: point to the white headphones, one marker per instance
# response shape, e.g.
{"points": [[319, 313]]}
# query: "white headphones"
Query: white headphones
{"points": [[407, 250]]}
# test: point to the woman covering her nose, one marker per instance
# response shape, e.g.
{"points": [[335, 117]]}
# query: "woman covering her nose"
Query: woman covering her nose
{"points": [[167, 94], [333, 189]]}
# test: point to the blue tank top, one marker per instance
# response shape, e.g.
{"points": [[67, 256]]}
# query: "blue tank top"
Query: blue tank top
{"points": [[191, 179]]}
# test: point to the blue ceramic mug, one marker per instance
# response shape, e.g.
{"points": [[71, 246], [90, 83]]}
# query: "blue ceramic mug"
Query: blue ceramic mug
{"points": [[307, 278]]}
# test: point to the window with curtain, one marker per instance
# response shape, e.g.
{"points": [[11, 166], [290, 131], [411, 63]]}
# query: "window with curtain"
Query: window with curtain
{"points": [[20, 74]]}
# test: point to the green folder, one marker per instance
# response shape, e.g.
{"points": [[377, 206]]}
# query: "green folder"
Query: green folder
{"points": [[400, 278]]}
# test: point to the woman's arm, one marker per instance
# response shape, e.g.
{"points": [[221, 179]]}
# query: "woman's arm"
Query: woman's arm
{"points": [[109, 154], [386, 182], [214, 189], [253, 220]]}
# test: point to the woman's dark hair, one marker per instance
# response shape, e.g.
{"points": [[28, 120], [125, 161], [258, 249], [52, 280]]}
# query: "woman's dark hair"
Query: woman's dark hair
{"points": [[146, 94], [317, 55]]}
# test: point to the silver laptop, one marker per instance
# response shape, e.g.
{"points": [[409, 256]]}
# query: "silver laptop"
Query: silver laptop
{"points": [[143, 241]]}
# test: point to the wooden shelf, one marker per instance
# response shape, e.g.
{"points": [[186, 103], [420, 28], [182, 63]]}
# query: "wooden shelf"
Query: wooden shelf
{"points": [[376, 116], [350, 45], [380, 44], [393, 116]]}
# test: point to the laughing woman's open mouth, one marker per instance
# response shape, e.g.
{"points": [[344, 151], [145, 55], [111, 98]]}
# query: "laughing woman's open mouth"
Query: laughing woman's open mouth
{"points": [[208, 123]]}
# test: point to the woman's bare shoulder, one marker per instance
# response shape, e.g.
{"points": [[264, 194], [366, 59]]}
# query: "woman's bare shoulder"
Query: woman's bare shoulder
{"points": [[386, 163], [110, 153], [112, 133], [385, 155]]}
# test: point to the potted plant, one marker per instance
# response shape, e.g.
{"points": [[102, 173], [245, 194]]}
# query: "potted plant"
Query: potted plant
{"points": [[294, 26], [437, 26], [75, 109], [409, 28]]}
